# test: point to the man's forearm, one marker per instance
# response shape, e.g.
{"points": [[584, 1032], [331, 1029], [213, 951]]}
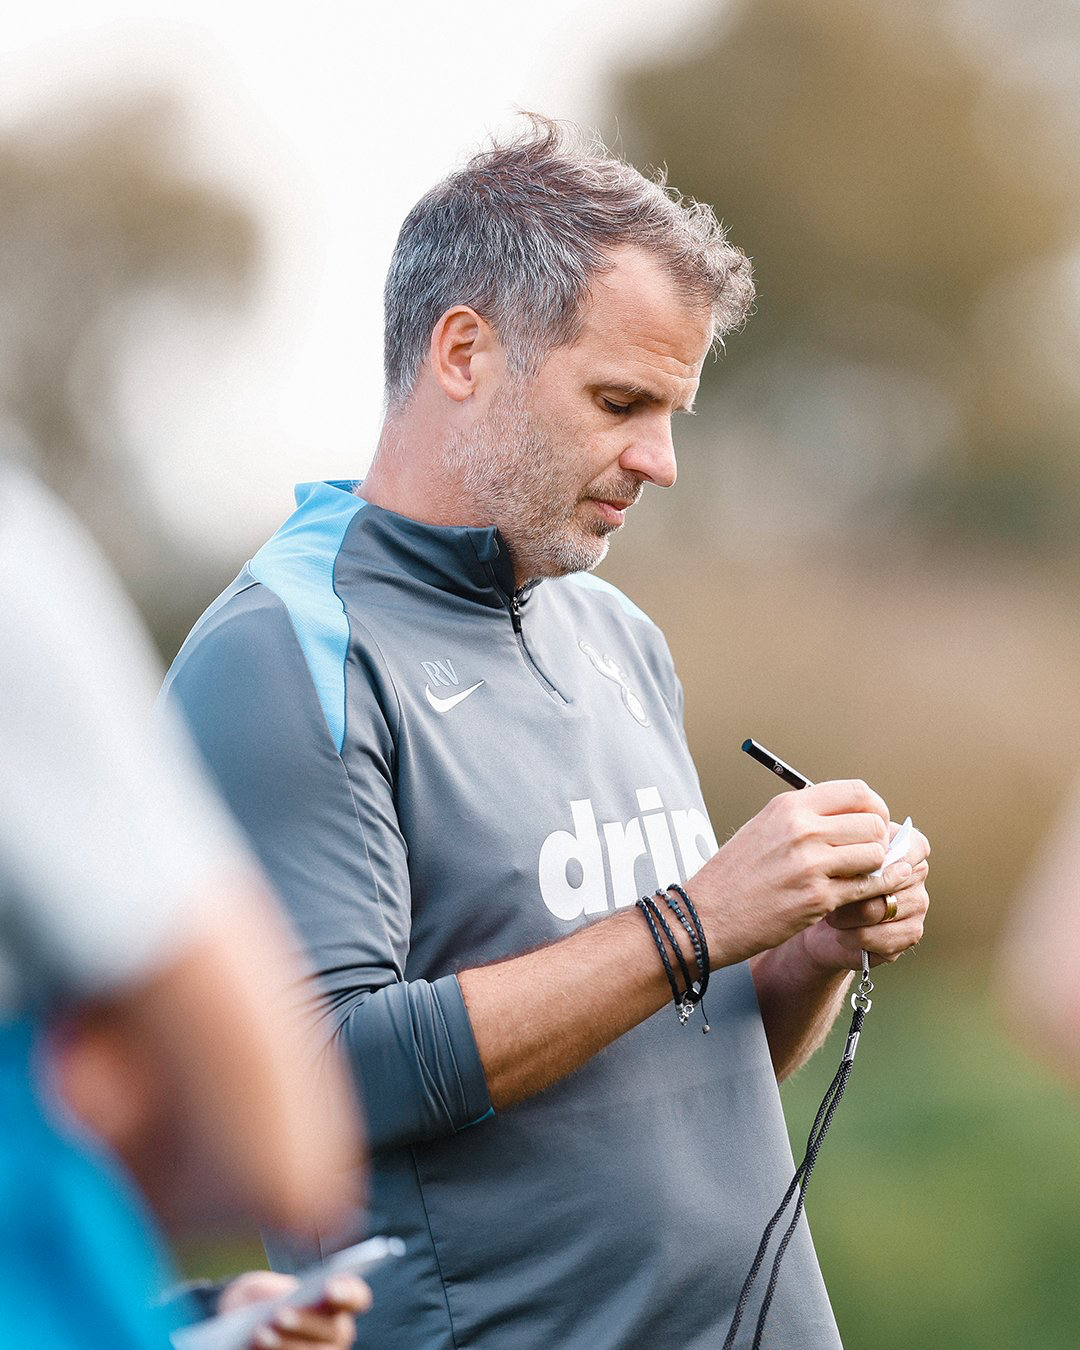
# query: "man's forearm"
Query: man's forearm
{"points": [[804, 856], [799, 1002], [538, 1017]]}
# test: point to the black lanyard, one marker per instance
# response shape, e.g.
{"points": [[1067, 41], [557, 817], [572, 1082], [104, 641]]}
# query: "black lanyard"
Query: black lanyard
{"points": [[861, 1004]]}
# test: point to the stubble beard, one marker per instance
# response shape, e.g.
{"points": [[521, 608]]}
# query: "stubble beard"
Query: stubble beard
{"points": [[516, 473]]}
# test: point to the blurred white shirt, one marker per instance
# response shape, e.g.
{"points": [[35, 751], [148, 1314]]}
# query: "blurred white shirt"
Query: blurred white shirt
{"points": [[107, 828]]}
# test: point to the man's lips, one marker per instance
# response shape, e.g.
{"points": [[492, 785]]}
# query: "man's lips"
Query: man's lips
{"points": [[614, 509]]}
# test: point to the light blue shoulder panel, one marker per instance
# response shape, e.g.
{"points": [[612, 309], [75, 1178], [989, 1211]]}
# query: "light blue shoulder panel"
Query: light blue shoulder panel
{"points": [[593, 583], [297, 564]]}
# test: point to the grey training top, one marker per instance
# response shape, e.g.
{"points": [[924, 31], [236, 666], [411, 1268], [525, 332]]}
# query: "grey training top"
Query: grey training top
{"points": [[438, 773]]}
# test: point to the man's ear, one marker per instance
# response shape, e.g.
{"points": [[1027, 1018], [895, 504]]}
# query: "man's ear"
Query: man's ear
{"points": [[463, 352]]}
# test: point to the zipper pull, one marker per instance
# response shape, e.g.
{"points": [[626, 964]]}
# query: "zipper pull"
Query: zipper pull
{"points": [[515, 614]]}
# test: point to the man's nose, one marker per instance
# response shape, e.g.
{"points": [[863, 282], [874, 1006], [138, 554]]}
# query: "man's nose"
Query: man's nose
{"points": [[652, 454]]}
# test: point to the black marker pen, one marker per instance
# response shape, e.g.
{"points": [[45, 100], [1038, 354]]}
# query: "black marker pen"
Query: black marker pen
{"points": [[792, 777]]}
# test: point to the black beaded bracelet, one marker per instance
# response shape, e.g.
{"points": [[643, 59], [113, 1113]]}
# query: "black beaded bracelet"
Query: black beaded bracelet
{"points": [[696, 987], [688, 998], [704, 957], [696, 933]]}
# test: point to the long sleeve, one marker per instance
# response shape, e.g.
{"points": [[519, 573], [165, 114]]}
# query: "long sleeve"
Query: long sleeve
{"points": [[329, 839]]}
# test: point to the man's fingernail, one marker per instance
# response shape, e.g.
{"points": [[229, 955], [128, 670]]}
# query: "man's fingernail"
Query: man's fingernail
{"points": [[288, 1318], [339, 1291], [267, 1339]]}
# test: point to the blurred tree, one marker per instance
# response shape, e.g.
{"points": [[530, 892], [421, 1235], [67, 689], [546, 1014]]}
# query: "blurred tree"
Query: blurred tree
{"points": [[97, 206], [905, 178]]}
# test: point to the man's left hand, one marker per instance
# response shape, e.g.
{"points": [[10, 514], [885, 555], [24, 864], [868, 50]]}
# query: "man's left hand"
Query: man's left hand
{"points": [[838, 941]]}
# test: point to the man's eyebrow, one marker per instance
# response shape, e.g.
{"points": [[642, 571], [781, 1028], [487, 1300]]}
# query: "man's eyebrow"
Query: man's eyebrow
{"points": [[641, 393]]}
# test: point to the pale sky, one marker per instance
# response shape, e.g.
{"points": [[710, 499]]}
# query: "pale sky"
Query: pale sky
{"points": [[333, 117]]}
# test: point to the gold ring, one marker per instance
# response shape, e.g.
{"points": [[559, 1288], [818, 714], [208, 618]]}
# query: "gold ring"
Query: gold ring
{"points": [[890, 909]]}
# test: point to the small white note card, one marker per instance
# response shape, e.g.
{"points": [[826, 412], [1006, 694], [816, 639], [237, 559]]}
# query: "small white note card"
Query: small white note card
{"points": [[898, 848]]}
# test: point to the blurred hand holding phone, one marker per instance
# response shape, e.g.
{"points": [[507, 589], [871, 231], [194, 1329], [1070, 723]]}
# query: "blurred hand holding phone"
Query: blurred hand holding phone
{"points": [[234, 1330]]}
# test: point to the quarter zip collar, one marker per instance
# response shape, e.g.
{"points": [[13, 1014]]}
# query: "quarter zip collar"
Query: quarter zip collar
{"points": [[517, 600], [472, 562]]}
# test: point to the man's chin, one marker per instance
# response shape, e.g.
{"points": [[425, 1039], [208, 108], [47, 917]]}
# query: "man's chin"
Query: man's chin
{"points": [[583, 557], [574, 551]]}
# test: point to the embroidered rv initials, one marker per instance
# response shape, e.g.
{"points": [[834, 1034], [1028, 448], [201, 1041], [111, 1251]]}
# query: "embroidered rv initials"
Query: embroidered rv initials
{"points": [[440, 672]]}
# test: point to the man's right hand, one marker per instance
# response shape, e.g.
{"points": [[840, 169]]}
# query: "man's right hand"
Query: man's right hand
{"points": [[800, 858]]}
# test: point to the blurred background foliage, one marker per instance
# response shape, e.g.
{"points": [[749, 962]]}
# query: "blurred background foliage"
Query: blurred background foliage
{"points": [[905, 178], [106, 226], [870, 563]]}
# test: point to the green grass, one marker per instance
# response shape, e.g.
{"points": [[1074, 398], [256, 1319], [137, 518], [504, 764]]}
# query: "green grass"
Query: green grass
{"points": [[217, 1259], [946, 1203]]}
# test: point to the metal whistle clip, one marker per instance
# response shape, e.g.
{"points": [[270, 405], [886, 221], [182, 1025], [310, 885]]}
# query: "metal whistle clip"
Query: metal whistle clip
{"points": [[860, 999], [861, 1002]]}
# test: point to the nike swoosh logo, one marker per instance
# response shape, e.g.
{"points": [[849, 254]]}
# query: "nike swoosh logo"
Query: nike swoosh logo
{"points": [[442, 705]]}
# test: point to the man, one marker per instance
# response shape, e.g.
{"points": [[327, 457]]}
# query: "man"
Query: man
{"points": [[462, 759]]}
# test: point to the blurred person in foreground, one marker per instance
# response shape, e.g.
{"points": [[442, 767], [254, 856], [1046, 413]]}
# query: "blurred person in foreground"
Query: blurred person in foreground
{"points": [[138, 946], [462, 759], [1040, 947]]}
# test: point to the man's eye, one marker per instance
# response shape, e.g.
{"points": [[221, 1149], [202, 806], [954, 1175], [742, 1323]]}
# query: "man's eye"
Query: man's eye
{"points": [[617, 408]]}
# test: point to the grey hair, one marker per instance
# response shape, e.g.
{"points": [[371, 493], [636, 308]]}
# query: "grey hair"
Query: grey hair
{"points": [[519, 233]]}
